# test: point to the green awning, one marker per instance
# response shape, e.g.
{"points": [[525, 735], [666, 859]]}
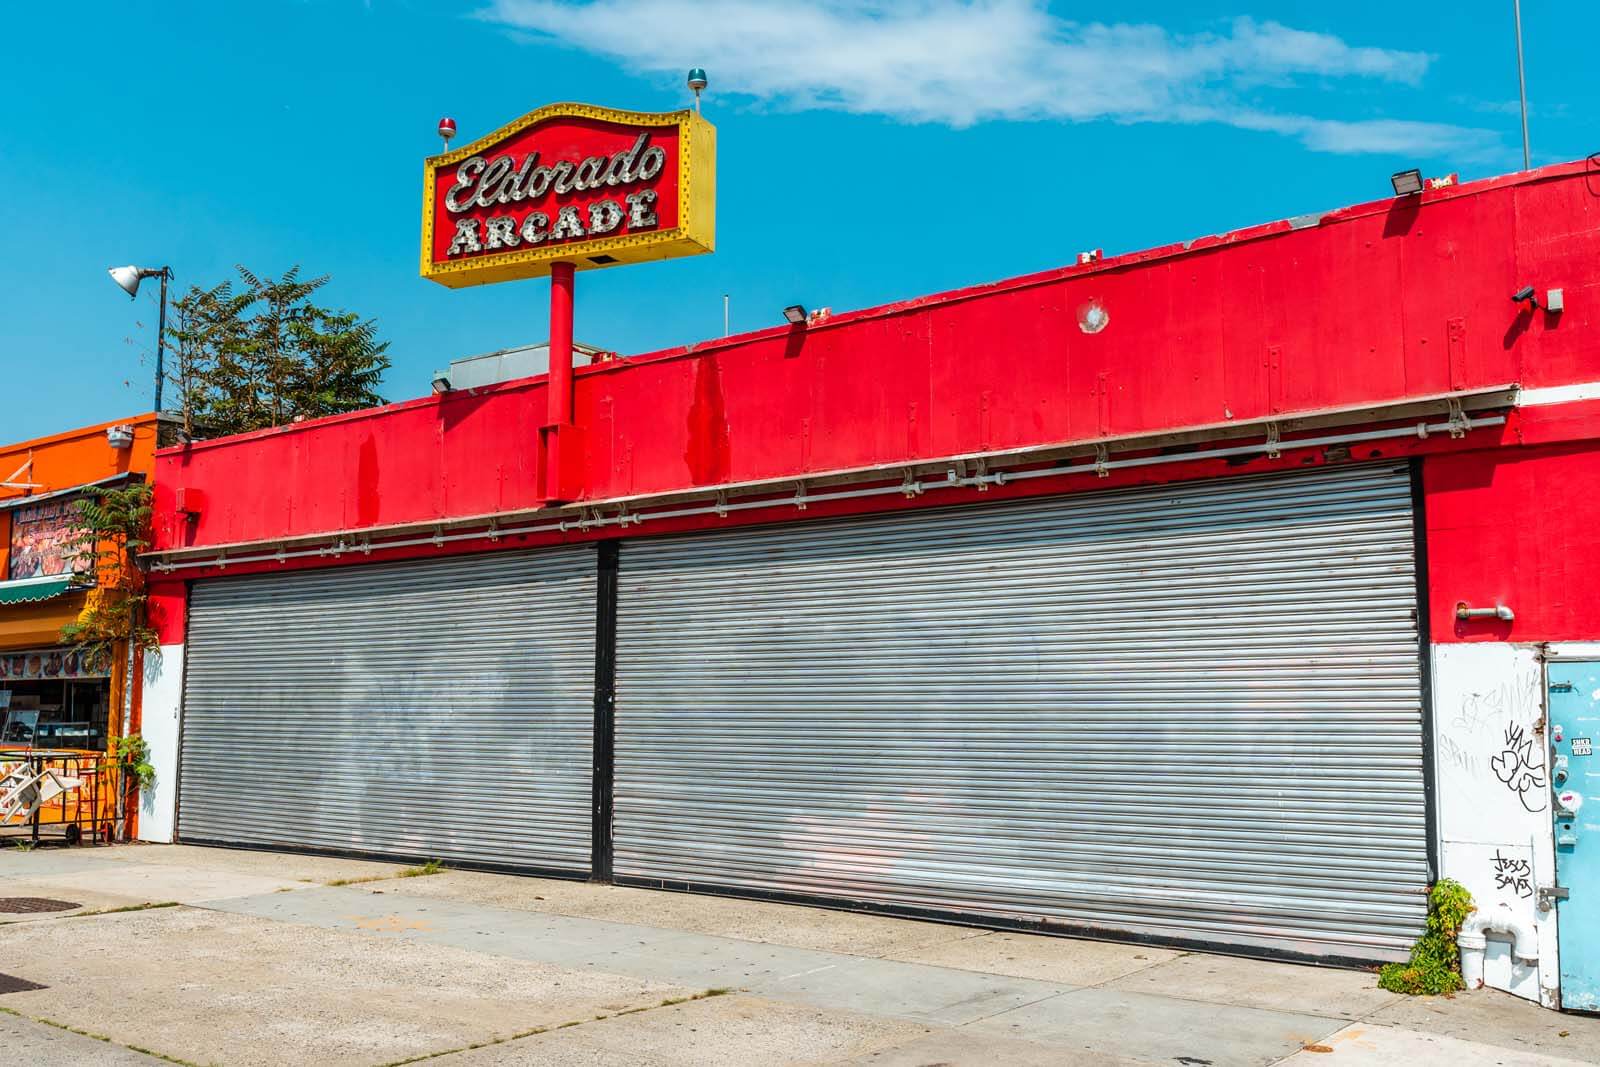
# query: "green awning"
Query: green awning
{"points": [[31, 590]]}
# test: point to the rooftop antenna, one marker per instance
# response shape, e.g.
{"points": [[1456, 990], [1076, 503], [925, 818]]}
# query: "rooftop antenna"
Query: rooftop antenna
{"points": [[697, 83], [724, 314], [1522, 83]]}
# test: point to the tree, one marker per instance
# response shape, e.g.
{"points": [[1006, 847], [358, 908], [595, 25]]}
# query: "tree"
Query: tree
{"points": [[266, 355], [204, 324], [111, 529]]}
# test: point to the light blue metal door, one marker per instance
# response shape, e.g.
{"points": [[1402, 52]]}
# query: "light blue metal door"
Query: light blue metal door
{"points": [[1575, 776]]}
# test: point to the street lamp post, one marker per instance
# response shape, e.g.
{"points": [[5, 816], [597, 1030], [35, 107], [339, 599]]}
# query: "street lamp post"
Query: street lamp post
{"points": [[128, 279]]}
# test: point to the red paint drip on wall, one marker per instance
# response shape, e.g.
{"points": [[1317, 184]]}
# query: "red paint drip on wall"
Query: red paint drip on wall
{"points": [[707, 451], [367, 482]]}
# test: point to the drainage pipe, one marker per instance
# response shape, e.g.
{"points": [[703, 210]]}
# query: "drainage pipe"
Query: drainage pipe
{"points": [[1473, 940]]}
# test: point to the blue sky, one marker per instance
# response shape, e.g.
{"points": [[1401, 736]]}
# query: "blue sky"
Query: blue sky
{"points": [[868, 152]]}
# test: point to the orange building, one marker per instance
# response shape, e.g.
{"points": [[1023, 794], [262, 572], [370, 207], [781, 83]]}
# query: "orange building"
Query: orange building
{"points": [[52, 697]]}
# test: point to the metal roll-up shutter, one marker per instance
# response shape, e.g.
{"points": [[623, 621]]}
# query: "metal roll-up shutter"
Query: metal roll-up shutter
{"points": [[442, 708], [1189, 712]]}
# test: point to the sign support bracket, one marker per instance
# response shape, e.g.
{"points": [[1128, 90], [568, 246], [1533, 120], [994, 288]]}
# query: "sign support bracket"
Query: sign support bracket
{"points": [[558, 384]]}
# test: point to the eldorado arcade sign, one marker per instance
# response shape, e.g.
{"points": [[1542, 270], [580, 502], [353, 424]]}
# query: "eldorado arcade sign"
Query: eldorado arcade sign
{"points": [[570, 183]]}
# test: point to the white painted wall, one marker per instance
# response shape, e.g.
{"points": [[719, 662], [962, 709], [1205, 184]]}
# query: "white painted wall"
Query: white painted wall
{"points": [[1491, 767], [163, 696]]}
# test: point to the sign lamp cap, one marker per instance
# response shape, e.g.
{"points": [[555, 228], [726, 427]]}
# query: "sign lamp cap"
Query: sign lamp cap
{"points": [[697, 79], [447, 127]]}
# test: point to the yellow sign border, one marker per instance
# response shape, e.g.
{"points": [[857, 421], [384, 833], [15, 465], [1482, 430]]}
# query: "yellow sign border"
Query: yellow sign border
{"points": [[695, 233]]}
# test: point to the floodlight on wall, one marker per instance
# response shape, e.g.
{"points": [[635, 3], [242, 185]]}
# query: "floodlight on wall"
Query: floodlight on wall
{"points": [[1407, 182], [795, 314], [441, 382]]}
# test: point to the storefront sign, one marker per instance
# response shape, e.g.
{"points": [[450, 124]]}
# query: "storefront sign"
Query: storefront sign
{"points": [[42, 537], [51, 664], [570, 182]]}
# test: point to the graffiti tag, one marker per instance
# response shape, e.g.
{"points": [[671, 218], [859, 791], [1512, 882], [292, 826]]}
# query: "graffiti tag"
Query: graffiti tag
{"points": [[1513, 874], [1521, 769], [1479, 710], [1451, 752]]}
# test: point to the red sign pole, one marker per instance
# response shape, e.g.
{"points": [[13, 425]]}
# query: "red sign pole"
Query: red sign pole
{"points": [[559, 410]]}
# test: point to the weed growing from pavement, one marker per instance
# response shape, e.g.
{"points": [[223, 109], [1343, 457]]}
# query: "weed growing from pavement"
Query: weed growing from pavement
{"points": [[1435, 963], [431, 867], [107, 911], [132, 907]]}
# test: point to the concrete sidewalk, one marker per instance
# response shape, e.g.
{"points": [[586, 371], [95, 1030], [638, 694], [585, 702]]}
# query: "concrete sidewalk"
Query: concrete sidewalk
{"points": [[258, 958]]}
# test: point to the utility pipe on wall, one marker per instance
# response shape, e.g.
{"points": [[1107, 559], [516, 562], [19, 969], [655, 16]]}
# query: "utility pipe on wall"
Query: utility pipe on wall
{"points": [[1473, 940], [590, 517], [1465, 611]]}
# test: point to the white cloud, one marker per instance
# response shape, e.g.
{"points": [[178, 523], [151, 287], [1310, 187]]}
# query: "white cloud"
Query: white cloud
{"points": [[959, 62]]}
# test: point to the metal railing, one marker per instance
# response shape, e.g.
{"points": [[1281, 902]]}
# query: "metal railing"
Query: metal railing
{"points": [[62, 793]]}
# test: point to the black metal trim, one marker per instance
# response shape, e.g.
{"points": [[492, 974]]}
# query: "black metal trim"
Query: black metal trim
{"points": [[608, 555], [1430, 788], [998, 922], [562, 873]]}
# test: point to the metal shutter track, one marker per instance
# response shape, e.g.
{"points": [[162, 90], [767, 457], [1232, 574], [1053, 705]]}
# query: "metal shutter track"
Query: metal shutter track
{"points": [[440, 708], [1191, 711]]}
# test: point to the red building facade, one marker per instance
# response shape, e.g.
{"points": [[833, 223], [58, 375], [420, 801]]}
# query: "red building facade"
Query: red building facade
{"points": [[1384, 338]]}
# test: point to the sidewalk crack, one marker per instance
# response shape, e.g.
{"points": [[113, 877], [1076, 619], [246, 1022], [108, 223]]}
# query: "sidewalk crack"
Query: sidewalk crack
{"points": [[98, 1037], [669, 1002]]}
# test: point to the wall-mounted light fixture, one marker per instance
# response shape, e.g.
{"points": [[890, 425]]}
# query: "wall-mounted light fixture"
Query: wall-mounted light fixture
{"points": [[1407, 182], [441, 382], [795, 314]]}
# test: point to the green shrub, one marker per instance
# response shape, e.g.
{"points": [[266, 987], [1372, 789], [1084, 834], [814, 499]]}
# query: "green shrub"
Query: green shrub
{"points": [[1435, 964], [133, 758]]}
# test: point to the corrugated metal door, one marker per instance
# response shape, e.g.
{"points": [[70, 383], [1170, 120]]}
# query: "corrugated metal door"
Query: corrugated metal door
{"points": [[1191, 711], [441, 708]]}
